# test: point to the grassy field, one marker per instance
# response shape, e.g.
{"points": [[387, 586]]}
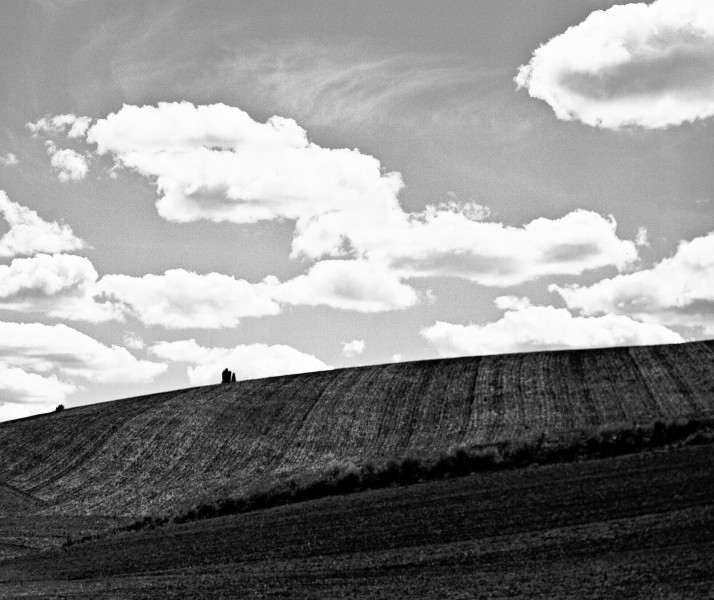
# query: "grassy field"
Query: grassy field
{"points": [[143, 455], [636, 527]]}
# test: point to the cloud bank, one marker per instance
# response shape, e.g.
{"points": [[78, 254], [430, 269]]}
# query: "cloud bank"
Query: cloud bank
{"points": [[43, 349], [216, 163], [249, 361], [181, 299], [348, 285], [678, 291], [526, 328], [61, 286], [29, 234], [646, 65], [23, 393]]}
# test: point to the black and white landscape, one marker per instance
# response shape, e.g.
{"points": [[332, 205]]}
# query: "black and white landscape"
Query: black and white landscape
{"points": [[356, 299]]}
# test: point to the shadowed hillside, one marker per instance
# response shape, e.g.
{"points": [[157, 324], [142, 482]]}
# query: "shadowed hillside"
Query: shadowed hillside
{"points": [[142, 454]]}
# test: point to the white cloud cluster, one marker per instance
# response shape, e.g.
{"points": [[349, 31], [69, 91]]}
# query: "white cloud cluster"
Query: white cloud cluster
{"points": [[69, 124], [446, 243], [214, 162], [61, 286], [648, 65], [678, 291], [71, 165], [353, 348], [30, 234], [247, 361], [45, 349], [8, 160], [181, 299], [357, 285], [528, 328], [23, 393]]}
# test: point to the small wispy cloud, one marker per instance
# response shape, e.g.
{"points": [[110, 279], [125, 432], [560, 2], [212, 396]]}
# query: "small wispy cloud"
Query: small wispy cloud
{"points": [[349, 83], [70, 164], [8, 160]]}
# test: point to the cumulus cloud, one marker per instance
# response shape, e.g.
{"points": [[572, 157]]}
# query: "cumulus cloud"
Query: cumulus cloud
{"points": [[23, 394], [214, 162], [50, 349], [180, 299], [30, 234], [8, 160], [353, 348], [648, 65], [531, 328], [60, 286], [247, 361], [71, 125], [677, 291], [348, 285], [71, 165], [447, 243]]}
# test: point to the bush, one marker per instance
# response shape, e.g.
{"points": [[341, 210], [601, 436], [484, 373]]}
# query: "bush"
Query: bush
{"points": [[59, 408]]}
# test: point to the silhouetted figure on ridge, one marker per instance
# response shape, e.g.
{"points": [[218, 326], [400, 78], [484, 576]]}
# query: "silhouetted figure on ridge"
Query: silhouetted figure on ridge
{"points": [[233, 378]]}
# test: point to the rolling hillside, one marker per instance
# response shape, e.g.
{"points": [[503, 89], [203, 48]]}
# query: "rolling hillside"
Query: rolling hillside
{"points": [[148, 454]]}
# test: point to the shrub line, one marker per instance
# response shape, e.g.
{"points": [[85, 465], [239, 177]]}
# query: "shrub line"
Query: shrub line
{"points": [[459, 461]]}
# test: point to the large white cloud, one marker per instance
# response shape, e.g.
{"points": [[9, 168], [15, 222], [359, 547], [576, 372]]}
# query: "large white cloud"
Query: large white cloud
{"points": [[348, 285], [527, 328], [30, 234], [677, 291], [649, 65], [60, 286], [18, 387], [181, 299], [215, 162], [47, 350], [247, 361], [448, 243]]}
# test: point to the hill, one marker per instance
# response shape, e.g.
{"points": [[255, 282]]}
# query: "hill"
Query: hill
{"points": [[151, 453]]}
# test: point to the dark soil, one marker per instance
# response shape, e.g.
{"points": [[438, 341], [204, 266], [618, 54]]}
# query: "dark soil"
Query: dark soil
{"points": [[640, 526]]}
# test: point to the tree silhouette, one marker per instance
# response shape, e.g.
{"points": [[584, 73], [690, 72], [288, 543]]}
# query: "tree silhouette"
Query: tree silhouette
{"points": [[226, 376]]}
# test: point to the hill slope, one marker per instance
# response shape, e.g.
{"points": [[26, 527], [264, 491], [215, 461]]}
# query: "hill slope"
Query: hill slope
{"points": [[640, 527], [143, 454]]}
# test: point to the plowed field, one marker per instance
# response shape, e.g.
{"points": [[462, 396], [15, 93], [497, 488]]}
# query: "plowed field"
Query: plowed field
{"points": [[133, 456], [636, 527]]}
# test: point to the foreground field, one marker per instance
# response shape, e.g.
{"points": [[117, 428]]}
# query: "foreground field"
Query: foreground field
{"points": [[640, 526], [152, 454]]}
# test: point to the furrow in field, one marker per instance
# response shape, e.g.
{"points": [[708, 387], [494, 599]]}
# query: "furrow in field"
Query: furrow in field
{"points": [[667, 396]]}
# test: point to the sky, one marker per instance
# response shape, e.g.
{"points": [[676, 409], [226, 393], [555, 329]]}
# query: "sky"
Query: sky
{"points": [[276, 187]]}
